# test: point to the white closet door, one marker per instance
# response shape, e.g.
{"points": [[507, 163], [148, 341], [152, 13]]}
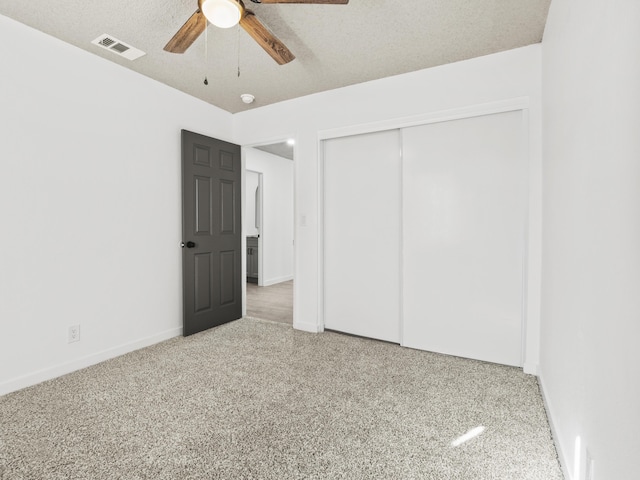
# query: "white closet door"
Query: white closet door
{"points": [[463, 237], [362, 235]]}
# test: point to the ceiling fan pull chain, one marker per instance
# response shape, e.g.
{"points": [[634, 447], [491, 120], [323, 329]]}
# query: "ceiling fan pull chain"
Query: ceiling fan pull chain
{"points": [[206, 53], [238, 39]]}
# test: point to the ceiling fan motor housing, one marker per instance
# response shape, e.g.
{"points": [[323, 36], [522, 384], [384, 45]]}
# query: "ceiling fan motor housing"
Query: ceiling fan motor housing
{"points": [[223, 14]]}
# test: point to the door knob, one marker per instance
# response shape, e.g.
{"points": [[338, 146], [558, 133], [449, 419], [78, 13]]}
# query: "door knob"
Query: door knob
{"points": [[188, 245]]}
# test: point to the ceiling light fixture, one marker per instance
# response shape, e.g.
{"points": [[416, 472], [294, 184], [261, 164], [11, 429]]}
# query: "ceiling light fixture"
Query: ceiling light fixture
{"points": [[222, 13], [247, 98], [291, 142]]}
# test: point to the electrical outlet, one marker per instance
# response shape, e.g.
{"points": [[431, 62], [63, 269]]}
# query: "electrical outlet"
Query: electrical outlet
{"points": [[73, 335], [589, 473]]}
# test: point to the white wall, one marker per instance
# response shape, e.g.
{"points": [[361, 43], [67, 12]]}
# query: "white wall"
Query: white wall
{"points": [[276, 232], [590, 362], [503, 76], [251, 183], [89, 205]]}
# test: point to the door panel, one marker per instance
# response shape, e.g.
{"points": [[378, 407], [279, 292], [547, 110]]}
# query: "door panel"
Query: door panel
{"points": [[203, 274], [464, 201], [227, 207], [362, 235], [227, 272], [211, 232], [203, 205], [202, 155]]}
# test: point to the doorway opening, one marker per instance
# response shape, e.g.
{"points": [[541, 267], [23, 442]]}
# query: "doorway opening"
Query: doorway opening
{"points": [[268, 228]]}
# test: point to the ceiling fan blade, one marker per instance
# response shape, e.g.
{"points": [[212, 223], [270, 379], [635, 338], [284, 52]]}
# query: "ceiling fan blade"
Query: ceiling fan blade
{"points": [[267, 40], [188, 33], [327, 2]]}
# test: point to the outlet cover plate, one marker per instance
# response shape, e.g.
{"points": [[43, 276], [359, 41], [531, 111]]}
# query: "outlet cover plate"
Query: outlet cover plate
{"points": [[73, 334]]}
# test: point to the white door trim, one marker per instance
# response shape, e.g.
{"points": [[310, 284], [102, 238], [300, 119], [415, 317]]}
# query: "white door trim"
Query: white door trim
{"points": [[520, 103], [296, 252]]}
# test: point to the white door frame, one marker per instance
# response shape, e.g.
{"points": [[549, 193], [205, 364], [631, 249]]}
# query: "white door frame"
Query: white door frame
{"points": [[532, 255], [259, 217], [260, 239]]}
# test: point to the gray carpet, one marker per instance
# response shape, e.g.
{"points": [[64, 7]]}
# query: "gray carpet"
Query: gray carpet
{"points": [[259, 400]]}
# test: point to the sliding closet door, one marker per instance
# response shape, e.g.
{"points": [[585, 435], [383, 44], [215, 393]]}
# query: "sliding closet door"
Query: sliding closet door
{"points": [[464, 215], [362, 235]]}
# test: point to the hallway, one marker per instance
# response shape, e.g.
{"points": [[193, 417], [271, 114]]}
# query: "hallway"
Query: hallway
{"points": [[273, 303]]}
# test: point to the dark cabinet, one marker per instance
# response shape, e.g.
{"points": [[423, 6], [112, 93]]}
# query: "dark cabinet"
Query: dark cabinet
{"points": [[252, 259]]}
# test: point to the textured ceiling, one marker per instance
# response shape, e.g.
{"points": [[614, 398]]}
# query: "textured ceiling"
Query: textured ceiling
{"points": [[334, 45], [282, 149]]}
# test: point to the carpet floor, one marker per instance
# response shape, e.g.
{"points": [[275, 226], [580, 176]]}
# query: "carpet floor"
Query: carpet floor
{"points": [[258, 400]]}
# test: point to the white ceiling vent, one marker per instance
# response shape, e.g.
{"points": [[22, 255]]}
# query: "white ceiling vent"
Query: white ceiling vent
{"points": [[108, 42]]}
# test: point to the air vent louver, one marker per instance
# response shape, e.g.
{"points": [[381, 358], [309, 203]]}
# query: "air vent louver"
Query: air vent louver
{"points": [[108, 42], [119, 47]]}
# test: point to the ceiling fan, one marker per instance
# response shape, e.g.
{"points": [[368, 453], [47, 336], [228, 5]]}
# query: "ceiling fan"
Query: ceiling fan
{"points": [[227, 13]]}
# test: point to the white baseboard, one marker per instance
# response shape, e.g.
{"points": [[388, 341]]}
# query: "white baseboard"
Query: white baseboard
{"points": [[273, 281], [307, 327], [564, 462], [530, 368], [83, 362]]}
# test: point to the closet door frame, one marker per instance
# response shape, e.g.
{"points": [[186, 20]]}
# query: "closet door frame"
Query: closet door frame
{"points": [[531, 135]]}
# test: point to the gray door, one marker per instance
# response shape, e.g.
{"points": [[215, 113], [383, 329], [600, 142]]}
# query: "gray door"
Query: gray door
{"points": [[211, 232]]}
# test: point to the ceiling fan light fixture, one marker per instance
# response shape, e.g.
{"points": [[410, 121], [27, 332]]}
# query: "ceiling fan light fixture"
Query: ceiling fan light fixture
{"points": [[222, 13]]}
